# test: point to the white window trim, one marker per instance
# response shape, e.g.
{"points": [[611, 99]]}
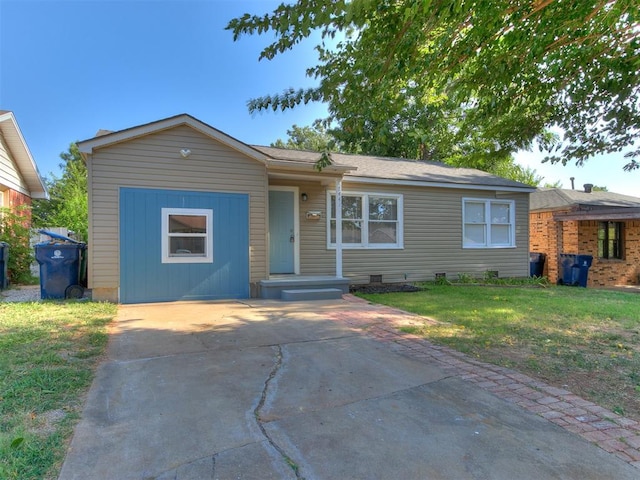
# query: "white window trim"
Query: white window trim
{"points": [[487, 210], [208, 256], [365, 245]]}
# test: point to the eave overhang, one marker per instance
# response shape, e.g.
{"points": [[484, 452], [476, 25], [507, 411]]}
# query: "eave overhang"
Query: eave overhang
{"points": [[21, 155], [424, 183], [604, 214]]}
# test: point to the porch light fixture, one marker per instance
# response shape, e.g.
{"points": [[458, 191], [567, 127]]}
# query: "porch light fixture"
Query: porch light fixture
{"points": [[304, 197], [185, 152]]}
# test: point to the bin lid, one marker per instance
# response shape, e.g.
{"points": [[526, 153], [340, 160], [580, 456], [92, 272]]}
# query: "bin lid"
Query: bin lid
{"points": [[57, 236]]}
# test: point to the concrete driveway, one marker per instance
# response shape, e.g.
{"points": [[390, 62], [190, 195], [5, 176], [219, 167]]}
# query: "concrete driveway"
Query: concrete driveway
{"points": [[271, 390]]}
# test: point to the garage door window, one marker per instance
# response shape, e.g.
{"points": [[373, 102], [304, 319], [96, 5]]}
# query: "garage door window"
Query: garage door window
{"points": [[187, 235]]}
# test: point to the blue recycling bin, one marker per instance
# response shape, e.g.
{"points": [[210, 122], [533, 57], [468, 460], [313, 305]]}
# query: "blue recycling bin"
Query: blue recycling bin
{"points": [[583, 263], [536, 264], [574, 269], [60, 272], [567, 275], [4, 260]]}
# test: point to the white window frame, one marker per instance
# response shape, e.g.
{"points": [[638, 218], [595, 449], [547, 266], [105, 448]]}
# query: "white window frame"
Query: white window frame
{"points": [[488, 224], [208, 236], [365, 221]]}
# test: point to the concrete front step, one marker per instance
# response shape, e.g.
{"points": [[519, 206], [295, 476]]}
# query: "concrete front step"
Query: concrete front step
{"points": [[272, 288], [311, 294]]}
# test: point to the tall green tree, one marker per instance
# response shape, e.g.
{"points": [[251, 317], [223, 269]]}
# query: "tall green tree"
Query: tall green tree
{"points": [[314, 138], [488, 78], [68, 200]]}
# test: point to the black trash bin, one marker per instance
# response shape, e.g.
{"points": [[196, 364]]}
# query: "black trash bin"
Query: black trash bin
{"points": [[61, 261], [574, 269], [536, 264], [4, 260]]}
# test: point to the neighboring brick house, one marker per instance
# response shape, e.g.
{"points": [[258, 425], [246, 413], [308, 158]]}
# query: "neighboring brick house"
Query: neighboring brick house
{"points": [[20, 180], [604, 225]]}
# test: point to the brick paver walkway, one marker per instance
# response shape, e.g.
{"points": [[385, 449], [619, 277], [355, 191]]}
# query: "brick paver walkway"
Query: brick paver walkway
{"points": [[615, 434]]}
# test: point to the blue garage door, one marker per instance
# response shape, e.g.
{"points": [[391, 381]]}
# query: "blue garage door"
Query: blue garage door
{"points": [[183, 245]]}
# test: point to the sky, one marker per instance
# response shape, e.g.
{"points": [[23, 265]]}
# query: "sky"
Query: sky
{"points": [[69, 68]]}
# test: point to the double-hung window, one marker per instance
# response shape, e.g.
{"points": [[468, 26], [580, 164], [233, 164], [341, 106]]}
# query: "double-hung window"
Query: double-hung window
{"points": [[610, 240], [368, 220], [187, 235], [488, 223]]}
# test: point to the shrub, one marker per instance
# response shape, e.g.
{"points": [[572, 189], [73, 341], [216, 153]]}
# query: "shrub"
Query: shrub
{"points": [[14, 229]]}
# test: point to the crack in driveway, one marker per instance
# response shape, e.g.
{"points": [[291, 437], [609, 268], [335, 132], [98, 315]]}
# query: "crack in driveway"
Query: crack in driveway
{"points": [[263, 398]]}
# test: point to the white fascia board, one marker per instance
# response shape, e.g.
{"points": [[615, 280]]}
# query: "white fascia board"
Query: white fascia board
{"points": [[460, 186], [23, 159], [87, 146]]}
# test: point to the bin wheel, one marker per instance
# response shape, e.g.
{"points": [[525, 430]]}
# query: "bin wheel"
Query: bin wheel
{"points": [[74, 291]]}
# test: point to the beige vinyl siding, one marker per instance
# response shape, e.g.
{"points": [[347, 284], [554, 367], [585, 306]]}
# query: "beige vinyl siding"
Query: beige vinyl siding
{"points": [[9, 175], [154, 161], [315, 259], [432, 238]]}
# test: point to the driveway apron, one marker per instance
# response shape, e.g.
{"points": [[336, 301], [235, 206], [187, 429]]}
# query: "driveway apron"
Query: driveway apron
{"points": [[272, 390]]}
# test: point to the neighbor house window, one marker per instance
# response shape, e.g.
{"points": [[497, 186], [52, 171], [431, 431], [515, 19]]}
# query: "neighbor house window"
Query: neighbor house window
{"points": [[610, 240], [187, 235], [488, 223], [368, 220]]}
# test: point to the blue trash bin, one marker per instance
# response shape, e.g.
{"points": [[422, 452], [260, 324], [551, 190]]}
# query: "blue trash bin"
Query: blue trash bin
{"points": [[574, 269], [567, 275], [536, 264], [4, 260], [60, 269], [583, 263]]}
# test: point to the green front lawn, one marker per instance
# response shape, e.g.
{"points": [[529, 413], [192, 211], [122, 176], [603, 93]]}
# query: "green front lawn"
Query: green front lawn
{"points": [[584, 340], [48, 355]]}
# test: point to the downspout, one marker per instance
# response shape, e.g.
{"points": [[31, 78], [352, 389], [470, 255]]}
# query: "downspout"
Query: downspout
{"points": [[339, 228]]}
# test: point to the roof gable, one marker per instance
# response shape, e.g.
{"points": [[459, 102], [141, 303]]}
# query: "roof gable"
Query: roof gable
{"points": [[106, 138], [21, 157]]}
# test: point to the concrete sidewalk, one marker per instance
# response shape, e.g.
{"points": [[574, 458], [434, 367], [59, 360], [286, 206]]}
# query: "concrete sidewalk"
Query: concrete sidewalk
{"points": [[272, 390]]}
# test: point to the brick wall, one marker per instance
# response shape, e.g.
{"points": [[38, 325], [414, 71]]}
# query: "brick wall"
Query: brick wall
{"points": [[607, 272], [548, 237], [581, 237], [15, 199]]}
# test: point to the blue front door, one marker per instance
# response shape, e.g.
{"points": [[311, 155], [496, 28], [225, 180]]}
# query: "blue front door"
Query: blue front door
{"points": [[282, 232]]}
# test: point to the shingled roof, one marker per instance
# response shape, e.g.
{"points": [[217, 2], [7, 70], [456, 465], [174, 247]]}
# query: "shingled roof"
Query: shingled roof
{"points": [[368, 167], [558, 198]]}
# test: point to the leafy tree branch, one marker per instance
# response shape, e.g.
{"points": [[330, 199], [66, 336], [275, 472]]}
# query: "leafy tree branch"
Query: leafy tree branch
{"points": [[508, 69]]}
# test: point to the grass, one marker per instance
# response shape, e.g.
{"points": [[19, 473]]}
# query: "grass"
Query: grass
{"points": [[48, 354], [585, 340]]}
